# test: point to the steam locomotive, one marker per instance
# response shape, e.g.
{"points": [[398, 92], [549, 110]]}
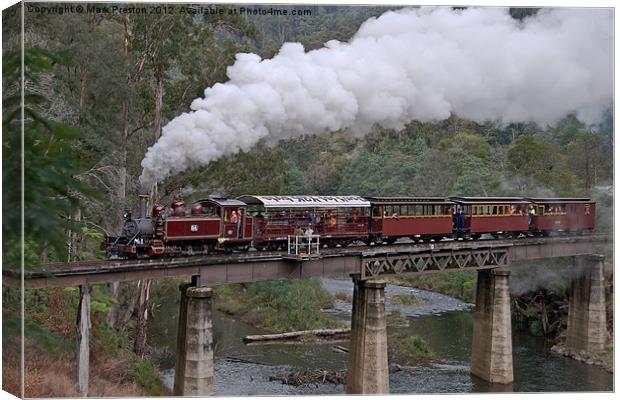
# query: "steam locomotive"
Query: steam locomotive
{"points": [[266, 222]]}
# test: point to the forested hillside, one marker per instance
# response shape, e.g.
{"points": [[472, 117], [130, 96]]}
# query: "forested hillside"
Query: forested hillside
{"points": [[99, 87]]}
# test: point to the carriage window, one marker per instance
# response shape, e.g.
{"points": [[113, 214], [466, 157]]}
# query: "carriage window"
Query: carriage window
{"points": [[411, 210], [587, 209], [207, 210], [376, 211], [403, 210]]}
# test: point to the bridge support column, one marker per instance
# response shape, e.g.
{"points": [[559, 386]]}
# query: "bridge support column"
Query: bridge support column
{"points": [[367, 370], [194, 365], [491, 351], [587, 320]]}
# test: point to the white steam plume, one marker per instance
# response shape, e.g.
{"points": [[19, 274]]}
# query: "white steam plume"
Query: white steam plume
{"points": [[413, 64]]}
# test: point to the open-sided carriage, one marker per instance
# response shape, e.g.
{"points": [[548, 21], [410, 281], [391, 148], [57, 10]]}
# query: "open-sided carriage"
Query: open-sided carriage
{"points": [[335, 219]]}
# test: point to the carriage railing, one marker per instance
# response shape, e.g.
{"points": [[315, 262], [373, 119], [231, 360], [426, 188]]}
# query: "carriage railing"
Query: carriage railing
{"points": [[303, 245]]}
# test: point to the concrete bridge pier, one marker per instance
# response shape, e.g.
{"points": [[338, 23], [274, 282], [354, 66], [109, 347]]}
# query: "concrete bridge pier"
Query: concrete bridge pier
{"points": [[367, 369], [491, 351], [587, 319], [194, 365]]}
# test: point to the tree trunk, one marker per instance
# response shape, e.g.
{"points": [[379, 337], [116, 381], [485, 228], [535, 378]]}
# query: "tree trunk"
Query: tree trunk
{"points": [[159, 98], [72, 244], [297, 335], [42, 252], [122, 186], [143, 308], [83, 338], [122, 162], [131, 307], [112, 317], [82, 88]]}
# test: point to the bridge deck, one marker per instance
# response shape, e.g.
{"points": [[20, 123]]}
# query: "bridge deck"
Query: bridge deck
{"points": [[410, 258]]}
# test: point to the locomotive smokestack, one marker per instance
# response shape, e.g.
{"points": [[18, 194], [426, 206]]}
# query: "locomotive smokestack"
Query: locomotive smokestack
{"points": [[144, 197]]}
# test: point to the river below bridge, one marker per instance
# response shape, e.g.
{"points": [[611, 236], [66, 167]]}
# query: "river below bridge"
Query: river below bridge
{"points": [[445, 323]]}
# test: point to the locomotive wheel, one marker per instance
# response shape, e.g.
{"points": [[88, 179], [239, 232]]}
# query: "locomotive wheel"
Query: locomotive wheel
{"points": [[390, 240]]}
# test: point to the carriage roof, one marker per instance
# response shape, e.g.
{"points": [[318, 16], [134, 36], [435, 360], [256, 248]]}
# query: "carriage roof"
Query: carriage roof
{"points": [[559, 200], [489, 200], [408, 200], [222, 201], [306, 201]]}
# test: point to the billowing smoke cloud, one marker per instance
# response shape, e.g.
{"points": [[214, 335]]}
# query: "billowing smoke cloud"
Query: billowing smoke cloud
{"points": [[413, 64]]}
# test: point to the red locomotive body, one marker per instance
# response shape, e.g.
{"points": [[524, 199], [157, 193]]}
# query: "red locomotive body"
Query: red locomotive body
{"points": [[562, 214], [415, 217], [494, 215], [218, 219], [336, 219]]}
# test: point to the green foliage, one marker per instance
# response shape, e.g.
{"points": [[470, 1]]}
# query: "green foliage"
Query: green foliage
{"points": [[295, 181], [406, 299], [413, 348], [260, 171], [50, 163], [145, 375], [291, 304], [461, 285], [48, 341], [279, 305]]}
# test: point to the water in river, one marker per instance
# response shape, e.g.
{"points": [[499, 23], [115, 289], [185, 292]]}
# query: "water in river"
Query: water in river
{"points": [[445, 323]]}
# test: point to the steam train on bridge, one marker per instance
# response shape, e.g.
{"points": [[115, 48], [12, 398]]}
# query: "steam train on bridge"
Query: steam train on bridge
{"points": [[268, 222]]}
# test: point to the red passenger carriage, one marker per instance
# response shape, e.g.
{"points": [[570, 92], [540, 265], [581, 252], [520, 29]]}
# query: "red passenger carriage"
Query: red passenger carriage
{"points": [[418, 218], [505, 216], [562, 214]]}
